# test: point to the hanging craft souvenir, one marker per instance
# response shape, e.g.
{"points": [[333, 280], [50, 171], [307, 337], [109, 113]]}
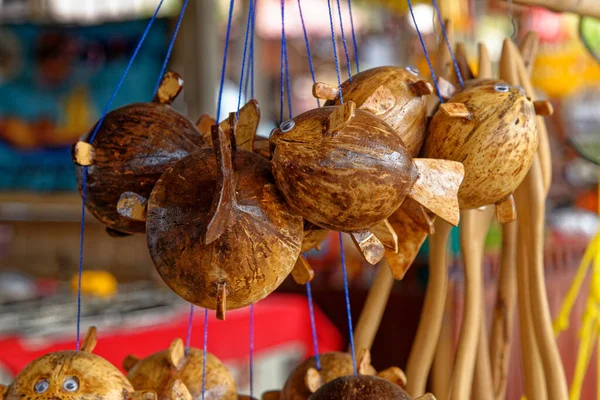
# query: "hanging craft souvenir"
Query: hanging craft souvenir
{"points": [[491, 128], [73, 375], [218, 231], [133, 147], [363, 387], [345, 169], [174, 375], [306, 379]]}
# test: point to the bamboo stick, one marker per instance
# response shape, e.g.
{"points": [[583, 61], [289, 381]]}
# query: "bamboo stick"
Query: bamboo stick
{"points": [[444, 353]]}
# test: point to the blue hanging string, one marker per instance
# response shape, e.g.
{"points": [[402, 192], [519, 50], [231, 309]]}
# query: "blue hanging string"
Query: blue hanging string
{"points": [[313, 326], [170, 49], [85, 169], [347, 295], [224, 67], [248, 28], [433, 77], [287, 79], [353, 36], [252, 51], [335, 55], [205, 352], [308, 53], [284, 72], [251, 350], [344, 41], [458, 74], [188, 339]]}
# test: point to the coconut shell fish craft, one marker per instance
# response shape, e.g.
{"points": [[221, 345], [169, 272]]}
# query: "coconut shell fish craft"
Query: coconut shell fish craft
{"points": [[73, 375], [363, 387]]}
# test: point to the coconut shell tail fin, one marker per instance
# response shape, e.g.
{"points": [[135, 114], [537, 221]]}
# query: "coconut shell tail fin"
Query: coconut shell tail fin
{"points": [[436, 187], [412, 223]]}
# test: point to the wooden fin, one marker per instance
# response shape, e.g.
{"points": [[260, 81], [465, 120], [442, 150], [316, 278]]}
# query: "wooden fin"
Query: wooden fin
{"points": [[115, 233], [132, 206], [506, 210], [426, 396], [341, 117], [82, 153], [302, 272], [221, 300], [543, 108], [394, 375], [369, 246], [3, 391], [364, 362], [232, 131], [313, 380], [422, 88], [447, 89], [324, 91], [529, 49], [417, 213], [271, 395], [262, 147], [91, 338], [170, 86], [129, 362], [455, 110], [225, 191], [176, 353], [204, 125], [384, 231], [484, 61], [462, 61], [380, 101], [436, 187], [178, 391], [313, 237], [142, 395], [245, 127]]}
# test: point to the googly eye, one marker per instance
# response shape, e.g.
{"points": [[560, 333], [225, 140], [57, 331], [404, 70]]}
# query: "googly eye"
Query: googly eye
{"points": [[412, 70], [71, 384], [41, 386], [287, 126], [501, 87]]}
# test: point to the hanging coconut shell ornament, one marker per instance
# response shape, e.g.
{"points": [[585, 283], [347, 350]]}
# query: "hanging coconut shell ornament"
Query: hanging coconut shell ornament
{"points": [[219, 233], [174, 375], [73, 375], [363, 387], [491, 128], [134, 145], [306, 379], [344, 169], [395, 94]]}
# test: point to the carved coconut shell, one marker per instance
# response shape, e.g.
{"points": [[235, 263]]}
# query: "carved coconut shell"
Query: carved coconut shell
{"points": [[360, 387], [496, 140], [134, 146], [344, 176], [258, 247], [157, 372], [394, 94]]}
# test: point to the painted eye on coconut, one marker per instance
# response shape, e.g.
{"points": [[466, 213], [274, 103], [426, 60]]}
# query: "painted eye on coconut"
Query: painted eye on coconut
{"points": [[501, 87], [41, 386], [71, 384], [287, 126]]}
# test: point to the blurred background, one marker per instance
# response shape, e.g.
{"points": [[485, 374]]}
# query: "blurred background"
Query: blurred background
{"points": [[60, 61]]}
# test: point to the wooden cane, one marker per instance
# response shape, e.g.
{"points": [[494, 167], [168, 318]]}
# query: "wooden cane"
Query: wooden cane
{"points": [[443, 360]]}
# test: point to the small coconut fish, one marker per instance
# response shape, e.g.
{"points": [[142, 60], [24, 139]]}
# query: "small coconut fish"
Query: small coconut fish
{"points": [[173, 375], [133, 147], [306, 379], [362, 387], [73, 375], [491, 128], [345, 169], [395, 94], [219, 233]]}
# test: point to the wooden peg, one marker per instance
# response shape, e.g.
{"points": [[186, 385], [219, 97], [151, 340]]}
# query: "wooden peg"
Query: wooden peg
{"points": [[91, 338], [384, 231], [456, 110], [341, 117], [221, 300], [313, 380], [422, 88], [82, 154], [141, 395], [447, 89], [271, 395], [225, 191], [129, 362], [176, 353], [324, 91], [302, 272], [170, 86], [543, 108], [364, 362], [380, 101], [369, 246], [132, 206], [426, 396], [178, 391], [115, 233], [506, 210], [394, 375], [485, 64]]}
